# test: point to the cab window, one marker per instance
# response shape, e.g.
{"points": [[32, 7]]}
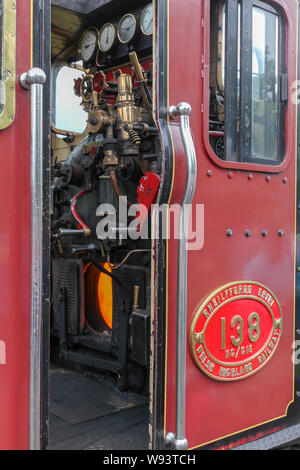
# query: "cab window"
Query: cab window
{"points": [[248, 82], [67, 114]]}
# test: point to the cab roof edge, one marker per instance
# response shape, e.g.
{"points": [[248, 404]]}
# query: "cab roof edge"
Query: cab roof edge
{"points": [[79, 6]]}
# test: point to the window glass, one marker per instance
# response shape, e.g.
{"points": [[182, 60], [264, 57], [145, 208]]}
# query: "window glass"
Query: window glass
{"points": [[265, 80], [246, 109], [69, 115]]}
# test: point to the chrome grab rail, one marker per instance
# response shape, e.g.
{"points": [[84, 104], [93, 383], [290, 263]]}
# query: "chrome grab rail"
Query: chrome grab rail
{"points": [[183, 111], [35, 80]]}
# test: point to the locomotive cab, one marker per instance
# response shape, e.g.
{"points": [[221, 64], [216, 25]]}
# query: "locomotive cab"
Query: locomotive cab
{"points": [[106, 169]]}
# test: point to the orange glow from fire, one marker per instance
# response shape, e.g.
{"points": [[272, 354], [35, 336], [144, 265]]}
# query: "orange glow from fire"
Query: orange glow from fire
{"points": [[105, 296]]}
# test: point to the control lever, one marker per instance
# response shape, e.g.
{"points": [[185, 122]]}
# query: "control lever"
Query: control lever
{"points": [[65, 232]]}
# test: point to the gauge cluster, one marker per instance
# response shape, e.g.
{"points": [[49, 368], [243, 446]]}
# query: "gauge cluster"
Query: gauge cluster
{"points": [[88, 44], [115, 39]]}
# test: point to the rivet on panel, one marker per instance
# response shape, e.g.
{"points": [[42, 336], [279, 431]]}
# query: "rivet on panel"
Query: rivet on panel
{"points": [[280, 232], [264, 233], [250, 176], [285, 180], [268, 179], [229, 232], [209, 173], [248, 233], [230, 175]]}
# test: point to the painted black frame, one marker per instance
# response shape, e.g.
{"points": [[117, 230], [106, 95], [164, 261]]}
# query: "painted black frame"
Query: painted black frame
{"points": [[42, 59], [159, 330]]}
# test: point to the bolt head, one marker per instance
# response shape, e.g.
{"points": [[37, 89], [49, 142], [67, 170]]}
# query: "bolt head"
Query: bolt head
{"points": [[173, 112], [36, 76], [184, 109]]}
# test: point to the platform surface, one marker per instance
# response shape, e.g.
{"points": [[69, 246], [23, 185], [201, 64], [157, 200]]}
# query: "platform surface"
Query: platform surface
{"points": [[93, 414]]}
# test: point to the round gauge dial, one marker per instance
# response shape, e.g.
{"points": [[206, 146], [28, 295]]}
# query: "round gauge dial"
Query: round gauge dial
{"points": [[107, 37], [88, 44], [147, 20], [127, 28]]}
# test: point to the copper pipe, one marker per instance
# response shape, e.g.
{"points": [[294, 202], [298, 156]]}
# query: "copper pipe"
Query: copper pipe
{"points": [[142, 165], [115, 268], [114, 183], [115, 186]]}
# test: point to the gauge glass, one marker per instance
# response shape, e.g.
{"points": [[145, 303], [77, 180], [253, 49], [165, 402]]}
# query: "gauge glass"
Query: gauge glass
{"points": [[127, 28], [88, 44], [107, 37], [147, 20]]}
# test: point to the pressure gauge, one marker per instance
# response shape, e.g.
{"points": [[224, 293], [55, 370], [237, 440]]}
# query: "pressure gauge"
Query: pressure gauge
{"points": [[88, 44], [127, 28], [147, 20], [107, 37]]}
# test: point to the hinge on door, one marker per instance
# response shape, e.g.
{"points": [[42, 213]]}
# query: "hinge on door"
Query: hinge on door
{"points": [[284, 87]]}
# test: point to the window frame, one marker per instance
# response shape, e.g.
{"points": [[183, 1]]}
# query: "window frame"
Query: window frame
{"points": [[286, 113], [7, 115], [56, 68]]}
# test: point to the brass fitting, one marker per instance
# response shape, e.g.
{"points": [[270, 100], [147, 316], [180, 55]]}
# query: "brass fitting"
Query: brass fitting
{"points": [[97, 120], [127, 115]]}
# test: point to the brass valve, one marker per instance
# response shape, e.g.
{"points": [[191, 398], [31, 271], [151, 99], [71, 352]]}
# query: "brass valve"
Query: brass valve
{"points": [[128, 115]]}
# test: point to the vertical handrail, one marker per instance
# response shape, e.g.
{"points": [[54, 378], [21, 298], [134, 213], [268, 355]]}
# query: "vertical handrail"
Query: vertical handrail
{"points": [[183, 111], [35, 80]]}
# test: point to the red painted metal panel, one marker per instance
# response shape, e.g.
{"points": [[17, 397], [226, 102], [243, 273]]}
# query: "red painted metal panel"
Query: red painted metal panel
{"points": [[15, 253], [232, 199]]}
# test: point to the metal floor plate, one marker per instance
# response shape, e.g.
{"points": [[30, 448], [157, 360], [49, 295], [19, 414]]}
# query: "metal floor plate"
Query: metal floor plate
{"points": [[93, 414]]}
